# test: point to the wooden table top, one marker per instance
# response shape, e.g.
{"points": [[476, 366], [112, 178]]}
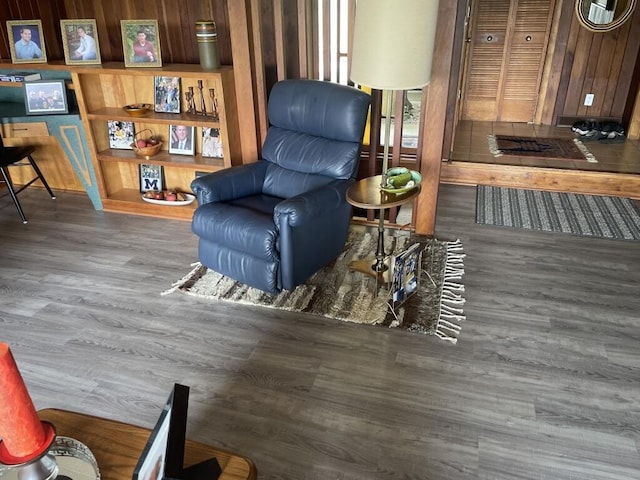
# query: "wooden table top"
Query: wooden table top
{"points": [[366, 193], [117, 446]]}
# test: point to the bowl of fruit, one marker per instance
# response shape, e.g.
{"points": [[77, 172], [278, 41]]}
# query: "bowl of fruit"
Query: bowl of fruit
{"points": [[401, 179], [146, 144]]}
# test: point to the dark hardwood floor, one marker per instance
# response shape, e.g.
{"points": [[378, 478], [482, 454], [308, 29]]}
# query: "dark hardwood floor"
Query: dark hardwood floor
{"points": [[544, 382]]}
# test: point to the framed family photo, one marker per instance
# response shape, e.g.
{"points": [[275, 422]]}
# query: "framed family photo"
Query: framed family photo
{"points": [[182, 139], [167, 94], [45, 97], [80, 41], [26, 41], [141, 43]]}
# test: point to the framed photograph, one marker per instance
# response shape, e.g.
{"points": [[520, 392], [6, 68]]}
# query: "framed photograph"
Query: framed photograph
{"points": [[26, 41], [45, 97], [211, 142], [151, 177], [121, 134], [80, 41], [163, 455], [406, 268], [141, 43], [167, 94], [181, 139]]}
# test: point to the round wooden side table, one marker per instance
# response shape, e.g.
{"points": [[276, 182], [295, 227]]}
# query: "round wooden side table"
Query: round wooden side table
{"points": [[367, 194]]}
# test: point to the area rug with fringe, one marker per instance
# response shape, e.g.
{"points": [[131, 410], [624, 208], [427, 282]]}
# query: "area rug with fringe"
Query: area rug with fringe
{"points": [[584, 215], [337, 292], [550, 148]]}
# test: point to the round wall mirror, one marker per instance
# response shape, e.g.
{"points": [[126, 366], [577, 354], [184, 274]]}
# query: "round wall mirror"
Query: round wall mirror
{"points": [[604, 15]]}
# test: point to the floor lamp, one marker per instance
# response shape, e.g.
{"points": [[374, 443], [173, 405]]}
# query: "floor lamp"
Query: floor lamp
{"points": [[393, 43]]}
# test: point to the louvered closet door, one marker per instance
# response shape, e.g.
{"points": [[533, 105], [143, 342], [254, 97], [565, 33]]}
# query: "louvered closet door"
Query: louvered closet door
{"points": [[506, 56]]}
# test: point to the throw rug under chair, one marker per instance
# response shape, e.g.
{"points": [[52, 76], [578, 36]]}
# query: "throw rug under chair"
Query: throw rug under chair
{"points": [[337, 292]]}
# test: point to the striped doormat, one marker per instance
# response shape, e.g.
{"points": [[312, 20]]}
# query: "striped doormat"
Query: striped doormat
{"points": [[585, 215]]}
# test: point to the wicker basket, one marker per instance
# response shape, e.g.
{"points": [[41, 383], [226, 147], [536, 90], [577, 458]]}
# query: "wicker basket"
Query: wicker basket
{"points": [[145, 151]]}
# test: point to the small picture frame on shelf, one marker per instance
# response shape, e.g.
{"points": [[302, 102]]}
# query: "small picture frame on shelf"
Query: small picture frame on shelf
{"points": [[80, 42], [405, 268], [182, 139], [45, 97], [26, 41], [167, 94], [211, 143], [121, 134], [151, 177], [141, 43]]}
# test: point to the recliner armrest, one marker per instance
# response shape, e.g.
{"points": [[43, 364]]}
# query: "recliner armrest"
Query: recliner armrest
{"points": [[231, 183], [312, 204]]}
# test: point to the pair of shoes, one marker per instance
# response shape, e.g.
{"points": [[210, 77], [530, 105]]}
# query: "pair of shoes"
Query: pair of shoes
{"points": [[598, 130]]}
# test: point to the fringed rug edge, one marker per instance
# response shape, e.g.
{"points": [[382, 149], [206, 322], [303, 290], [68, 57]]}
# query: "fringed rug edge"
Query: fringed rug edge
{"points": [[451, 294]]}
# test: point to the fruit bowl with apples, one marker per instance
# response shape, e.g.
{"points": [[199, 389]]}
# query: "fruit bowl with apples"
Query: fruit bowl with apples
{"points": [[146, 143]]}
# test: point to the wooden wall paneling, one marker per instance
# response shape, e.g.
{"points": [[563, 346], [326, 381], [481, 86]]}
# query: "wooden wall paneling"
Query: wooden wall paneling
{"points": [[326, 33], [279, 40], [291, 36], [591, 57], [578, 74], [634, 123], [556, 52], [607, 75], [314, 35], [241, 37], [268, 42], [303, 24], [623, 93], [48, 12], [436, 113], [258, 67], [455, 86]]}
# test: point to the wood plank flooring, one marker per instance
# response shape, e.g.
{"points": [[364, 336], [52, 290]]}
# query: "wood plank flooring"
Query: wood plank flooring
{"points": [[544, 382]]}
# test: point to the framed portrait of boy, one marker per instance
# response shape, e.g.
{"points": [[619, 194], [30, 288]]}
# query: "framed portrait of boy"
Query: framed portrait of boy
{"points": [[167, 94], [141, 43], [45, 97], [80, 41], [26, 41], [182, 139]]}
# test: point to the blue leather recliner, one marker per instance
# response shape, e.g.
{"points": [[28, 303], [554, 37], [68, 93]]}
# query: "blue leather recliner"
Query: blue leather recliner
{"points": [[273, 223]]}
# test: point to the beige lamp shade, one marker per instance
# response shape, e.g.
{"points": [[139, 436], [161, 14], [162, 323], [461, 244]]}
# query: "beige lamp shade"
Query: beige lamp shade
{"points": [[393, 43]]}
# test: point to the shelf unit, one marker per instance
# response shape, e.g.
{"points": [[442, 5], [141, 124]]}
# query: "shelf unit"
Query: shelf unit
{"points": [[102, 91]]}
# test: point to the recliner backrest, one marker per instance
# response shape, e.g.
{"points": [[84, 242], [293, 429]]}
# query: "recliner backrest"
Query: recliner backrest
{"points": [[315, 135]]}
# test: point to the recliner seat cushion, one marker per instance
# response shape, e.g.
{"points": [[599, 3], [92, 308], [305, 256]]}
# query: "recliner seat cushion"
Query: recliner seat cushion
{"points": [[237, 228]]}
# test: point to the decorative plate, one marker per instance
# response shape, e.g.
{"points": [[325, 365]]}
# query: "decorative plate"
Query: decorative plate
{"points": [[416, 178], [177, 203]]}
